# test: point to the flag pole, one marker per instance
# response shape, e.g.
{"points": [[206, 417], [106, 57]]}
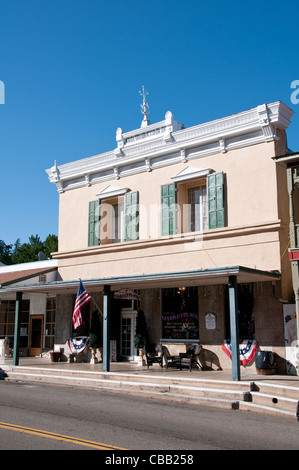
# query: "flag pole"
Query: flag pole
{"points": [[94, 302], [97, 306]]}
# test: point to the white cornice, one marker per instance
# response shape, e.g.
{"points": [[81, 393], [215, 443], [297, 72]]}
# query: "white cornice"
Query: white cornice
{"points": [[167, 142]]}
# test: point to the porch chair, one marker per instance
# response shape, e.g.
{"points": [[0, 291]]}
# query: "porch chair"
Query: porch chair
{"points": [[190, 357], [153, 354], [170, 359]]}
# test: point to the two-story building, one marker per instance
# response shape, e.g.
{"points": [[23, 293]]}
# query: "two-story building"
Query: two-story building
{"points": [[172, 214], [181, 223]]}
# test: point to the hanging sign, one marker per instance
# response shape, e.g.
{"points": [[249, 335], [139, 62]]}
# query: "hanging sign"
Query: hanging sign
{"points": [[126, 294]]}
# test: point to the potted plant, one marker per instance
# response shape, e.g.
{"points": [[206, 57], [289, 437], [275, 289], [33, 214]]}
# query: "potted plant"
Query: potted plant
{"points": [[93, 344], [141, 333], [94, 336]]}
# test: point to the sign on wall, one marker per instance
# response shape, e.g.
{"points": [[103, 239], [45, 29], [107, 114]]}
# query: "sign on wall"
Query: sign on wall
{"points": [[210, 321], [126, 294]]}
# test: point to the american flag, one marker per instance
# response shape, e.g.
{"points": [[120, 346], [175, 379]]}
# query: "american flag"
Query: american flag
{"points": [[82, 299]]}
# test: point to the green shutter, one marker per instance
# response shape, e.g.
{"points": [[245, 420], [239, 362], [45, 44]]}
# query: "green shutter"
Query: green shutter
{"points": [[216, 200], [168, 200], [94, 223], [131, 216]]}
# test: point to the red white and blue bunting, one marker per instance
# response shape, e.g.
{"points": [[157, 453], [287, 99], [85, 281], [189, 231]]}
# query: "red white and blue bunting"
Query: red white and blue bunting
{"points": [[247, 350], [77, 345]]}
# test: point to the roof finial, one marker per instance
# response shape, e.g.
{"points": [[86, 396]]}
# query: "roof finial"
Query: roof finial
{"points": [[144, 108]]}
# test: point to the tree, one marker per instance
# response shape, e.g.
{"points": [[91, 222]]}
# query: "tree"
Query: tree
{"points": [[5, 253], [28, 252], [50, 245]]}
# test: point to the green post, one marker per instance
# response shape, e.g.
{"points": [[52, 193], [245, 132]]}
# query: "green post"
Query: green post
{"points": [[106, 329], [16, 345], [234, 327]]}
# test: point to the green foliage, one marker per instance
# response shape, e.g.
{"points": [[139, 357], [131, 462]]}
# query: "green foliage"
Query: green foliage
{"points": [[5, 253], [141, 333], [93, 341], [27, 252], [95, 331]]}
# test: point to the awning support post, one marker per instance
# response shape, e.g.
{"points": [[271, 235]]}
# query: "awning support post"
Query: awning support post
{"points": [[16, 345], [106, 329], [234, 327]]}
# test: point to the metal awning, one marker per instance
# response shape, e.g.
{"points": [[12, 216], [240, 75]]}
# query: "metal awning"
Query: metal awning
{"points": [[198, 277]]}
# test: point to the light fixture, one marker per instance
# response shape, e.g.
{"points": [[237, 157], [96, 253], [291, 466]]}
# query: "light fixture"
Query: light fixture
{"points": [[181, 290]]}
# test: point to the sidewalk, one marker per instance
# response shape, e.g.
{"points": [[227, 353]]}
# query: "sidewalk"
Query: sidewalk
{"points": [[155, 370]]}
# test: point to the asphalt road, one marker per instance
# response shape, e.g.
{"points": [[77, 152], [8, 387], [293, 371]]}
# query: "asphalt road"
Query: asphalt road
{"points": [[117, 420]]}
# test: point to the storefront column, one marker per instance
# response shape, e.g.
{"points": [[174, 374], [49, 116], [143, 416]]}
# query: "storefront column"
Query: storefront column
{"points": [[16, 345], [234, 327], [106, 329]]}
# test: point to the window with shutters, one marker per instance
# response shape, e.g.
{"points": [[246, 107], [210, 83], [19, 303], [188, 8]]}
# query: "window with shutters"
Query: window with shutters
{"points": [[216, 200], [193, 206], [168, 209], [131, 223], [114, 220], [111, 220]]}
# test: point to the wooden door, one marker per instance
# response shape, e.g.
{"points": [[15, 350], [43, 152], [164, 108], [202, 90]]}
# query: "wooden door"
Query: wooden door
{"points": [[36, 335]]}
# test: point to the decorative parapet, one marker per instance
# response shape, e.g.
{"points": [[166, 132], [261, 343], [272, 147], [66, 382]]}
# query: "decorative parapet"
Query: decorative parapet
{"points": [[168, 142]]}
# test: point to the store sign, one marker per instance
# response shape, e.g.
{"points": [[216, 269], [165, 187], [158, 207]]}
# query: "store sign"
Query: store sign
{"points": [[126, 294], [180, 319]]}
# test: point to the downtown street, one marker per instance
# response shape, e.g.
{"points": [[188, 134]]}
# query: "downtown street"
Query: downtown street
{"points": [[47, 417]]}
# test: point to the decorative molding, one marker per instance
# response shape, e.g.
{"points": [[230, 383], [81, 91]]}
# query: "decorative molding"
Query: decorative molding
{"points": [[168, 142], [112, 191], [190, 173]]}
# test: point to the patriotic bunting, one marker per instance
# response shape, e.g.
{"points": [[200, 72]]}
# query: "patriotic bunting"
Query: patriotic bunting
{"points": [[247, 350], [77, 345]]}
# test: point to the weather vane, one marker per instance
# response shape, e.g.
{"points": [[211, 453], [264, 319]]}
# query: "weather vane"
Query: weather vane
{"points": [[144, 107]]}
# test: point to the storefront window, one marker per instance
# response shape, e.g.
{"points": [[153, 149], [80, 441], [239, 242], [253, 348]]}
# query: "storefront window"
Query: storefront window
{"points": [[7, 321], [180, 313], [50, 323]]}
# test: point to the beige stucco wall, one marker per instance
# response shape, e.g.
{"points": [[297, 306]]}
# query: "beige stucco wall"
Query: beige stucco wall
{"points": [[255, 235], [251, 193]]}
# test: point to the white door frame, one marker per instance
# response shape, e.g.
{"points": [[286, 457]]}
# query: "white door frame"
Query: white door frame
{"points": [[128, 314]]}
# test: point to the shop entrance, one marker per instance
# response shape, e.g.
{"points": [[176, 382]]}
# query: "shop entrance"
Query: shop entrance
{"points": [[127, 333], [36, 335]]}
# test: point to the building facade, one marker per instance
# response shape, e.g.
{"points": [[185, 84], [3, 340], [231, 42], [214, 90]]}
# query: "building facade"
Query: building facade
{"points": [[178, 222], [170, 214]]}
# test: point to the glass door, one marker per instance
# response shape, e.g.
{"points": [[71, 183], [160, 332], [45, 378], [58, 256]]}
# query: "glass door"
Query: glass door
{"points": [[127, 349]]}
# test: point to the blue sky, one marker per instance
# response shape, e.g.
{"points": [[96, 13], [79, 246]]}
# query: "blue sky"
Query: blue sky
{"points": [[72, 71]]}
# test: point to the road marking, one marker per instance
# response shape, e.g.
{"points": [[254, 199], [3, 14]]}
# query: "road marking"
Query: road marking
{"points": [[59, 437]]}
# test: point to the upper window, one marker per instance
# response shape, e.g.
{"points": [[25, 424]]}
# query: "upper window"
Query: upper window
{"points": [[113, 219], [195, 202], [197, 208]]}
